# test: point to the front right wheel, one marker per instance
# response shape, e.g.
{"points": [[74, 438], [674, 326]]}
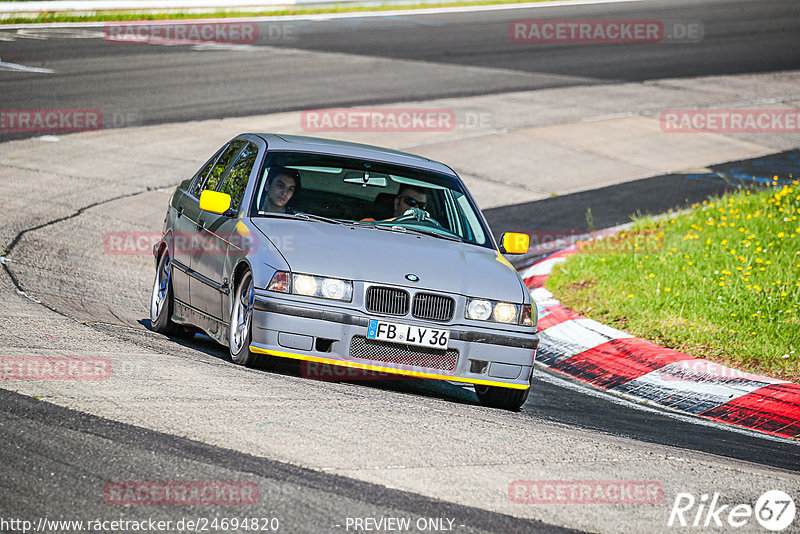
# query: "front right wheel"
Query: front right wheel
{"points": [[161, 303], [240, 326], [503, 398]]}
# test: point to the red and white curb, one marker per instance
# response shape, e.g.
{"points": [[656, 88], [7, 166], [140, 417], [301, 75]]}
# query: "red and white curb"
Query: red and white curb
{"points": [[618, 362]]}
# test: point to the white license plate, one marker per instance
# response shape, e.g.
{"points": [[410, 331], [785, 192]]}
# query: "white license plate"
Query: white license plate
{"points": [[409, 334]]}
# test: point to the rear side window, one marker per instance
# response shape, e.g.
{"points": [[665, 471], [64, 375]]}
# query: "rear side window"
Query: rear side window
{"points": [[236, 180], [200, 178], [217, 172]]}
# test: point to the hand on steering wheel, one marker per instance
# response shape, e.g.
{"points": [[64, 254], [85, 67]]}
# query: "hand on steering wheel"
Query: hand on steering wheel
{"points": [[417, 214]]}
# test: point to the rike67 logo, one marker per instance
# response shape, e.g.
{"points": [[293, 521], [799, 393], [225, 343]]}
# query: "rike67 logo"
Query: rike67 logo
{"points": [[774, 510]]}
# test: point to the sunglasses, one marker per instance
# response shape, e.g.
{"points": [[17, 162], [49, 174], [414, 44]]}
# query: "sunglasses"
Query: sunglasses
{"points": [[414, 203]]}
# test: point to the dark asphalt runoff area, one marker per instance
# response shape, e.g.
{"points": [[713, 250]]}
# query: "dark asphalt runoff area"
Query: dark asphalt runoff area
{"points": [[58, 462]]}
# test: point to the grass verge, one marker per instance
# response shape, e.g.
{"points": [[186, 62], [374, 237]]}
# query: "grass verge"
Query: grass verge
{"points": [[337, 8], [721, 282]]}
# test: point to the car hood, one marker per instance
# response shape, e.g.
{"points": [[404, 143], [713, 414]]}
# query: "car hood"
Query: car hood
{"points": [[383, 256]]}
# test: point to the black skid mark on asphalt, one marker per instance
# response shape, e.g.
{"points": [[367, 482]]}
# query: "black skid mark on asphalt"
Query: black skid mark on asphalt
{"points": [[8, 250]]}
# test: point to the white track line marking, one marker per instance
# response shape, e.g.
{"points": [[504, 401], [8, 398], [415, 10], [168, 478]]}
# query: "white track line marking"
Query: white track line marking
{"points": [[23, 68]]}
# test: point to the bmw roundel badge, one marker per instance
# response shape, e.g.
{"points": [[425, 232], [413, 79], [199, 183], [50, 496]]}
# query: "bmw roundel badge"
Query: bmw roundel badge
{"points": [[412, 277]]}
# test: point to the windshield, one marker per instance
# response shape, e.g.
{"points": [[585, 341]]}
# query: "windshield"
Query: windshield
{"points": [[352, 191]]}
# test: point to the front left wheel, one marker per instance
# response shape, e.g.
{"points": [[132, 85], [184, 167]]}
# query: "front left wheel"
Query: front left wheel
{"points": [[240, 326]]}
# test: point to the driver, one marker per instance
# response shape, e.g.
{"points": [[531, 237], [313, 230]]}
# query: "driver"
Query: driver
{"points": [[282, 184], [407, 198]]}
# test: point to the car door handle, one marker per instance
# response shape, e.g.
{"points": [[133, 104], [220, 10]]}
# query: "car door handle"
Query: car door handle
{"points": [[180, 212], [201, 225]]}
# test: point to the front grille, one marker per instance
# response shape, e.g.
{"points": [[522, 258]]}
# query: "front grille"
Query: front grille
{"points": [[387, 300], [433, 307], [423, 357]]}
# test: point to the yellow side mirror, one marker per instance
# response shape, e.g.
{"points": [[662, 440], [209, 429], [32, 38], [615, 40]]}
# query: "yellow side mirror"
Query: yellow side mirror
{"points": [[215, 202], [514, 243]]}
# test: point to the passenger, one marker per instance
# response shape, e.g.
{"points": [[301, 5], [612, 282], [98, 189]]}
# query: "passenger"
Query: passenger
{"points": [[282, 185], [407, 198]]}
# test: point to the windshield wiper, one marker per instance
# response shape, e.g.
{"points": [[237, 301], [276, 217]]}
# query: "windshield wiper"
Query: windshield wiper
{"points": [[420, 231], [275, 214], [312, 217]]}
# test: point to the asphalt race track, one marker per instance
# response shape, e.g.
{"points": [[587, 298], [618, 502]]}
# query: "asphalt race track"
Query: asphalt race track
{"points": [[323, 453], [348, 61]]}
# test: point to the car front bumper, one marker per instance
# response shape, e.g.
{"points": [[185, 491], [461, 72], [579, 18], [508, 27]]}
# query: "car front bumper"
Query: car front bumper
{"points": [[333, 336]]}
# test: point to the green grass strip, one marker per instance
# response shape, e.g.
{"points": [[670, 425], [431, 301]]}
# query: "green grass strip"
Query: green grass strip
{"points": [[337, 8], [721, 282]]}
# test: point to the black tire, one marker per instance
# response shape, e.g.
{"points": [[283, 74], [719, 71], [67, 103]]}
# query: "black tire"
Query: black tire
{"points": [[240, 336], [503, 398], [161, 300]]}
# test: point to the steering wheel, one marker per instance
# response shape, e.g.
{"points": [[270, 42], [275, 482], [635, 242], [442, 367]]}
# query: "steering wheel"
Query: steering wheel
{"points": [[418, 215]]}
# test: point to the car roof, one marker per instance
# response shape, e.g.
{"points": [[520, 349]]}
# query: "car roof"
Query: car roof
{"points": [[333, 147]]}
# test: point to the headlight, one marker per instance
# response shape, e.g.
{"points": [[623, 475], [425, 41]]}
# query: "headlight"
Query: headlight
{"points": [[479, 309], [312, 286], [498, 312], [505, 313], [305, 285], [333, 288]]}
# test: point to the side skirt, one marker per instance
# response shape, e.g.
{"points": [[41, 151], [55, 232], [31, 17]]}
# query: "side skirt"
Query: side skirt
{"points": [[186, 314]]}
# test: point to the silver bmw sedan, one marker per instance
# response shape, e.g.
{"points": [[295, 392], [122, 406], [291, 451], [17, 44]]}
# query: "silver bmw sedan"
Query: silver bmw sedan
{"points": [[346, 255]]}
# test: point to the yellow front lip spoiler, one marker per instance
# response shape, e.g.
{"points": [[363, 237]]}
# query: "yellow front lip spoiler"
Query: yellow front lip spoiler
{"points": [[369, 367]]}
